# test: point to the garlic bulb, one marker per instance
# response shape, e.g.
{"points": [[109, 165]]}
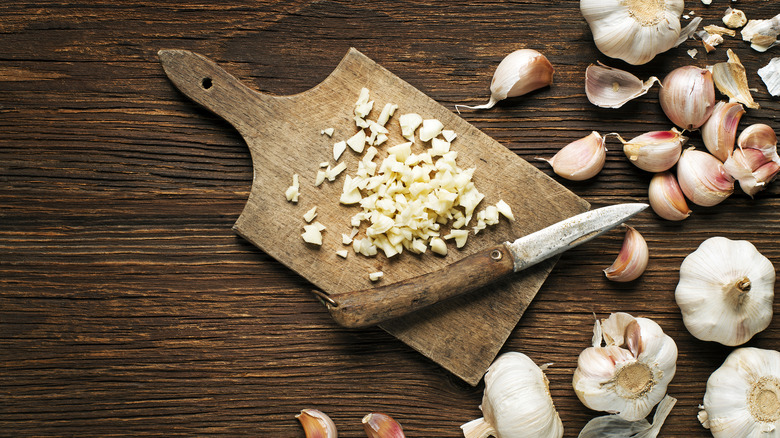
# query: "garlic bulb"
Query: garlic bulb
{"points": [[632, 260], [630, 374], [580, 159], [655, 151], [516, 402], [725, 291], [687, 96], [703, 179], [731, 80], [633, 30], [612, 426], [317, 424], [743, 395], [378, 425], [720, 131], [520, 72], [609, 87], [666, 198]]}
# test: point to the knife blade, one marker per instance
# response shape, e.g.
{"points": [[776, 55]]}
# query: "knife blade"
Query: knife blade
{"points": [[373, 306]]}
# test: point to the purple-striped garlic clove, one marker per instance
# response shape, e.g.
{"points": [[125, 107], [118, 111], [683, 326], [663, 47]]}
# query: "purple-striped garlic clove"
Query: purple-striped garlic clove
{"points": [[581, 159], [378, 425], [655, 151], [317, 424], [703, 179], [666, 197], [752, 169], [759, 136], [632, 260], [719, 132], [608, 87], [687, 96]]}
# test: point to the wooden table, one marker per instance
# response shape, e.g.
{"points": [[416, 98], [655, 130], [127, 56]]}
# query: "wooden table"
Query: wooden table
{"points": [[128, 306]]}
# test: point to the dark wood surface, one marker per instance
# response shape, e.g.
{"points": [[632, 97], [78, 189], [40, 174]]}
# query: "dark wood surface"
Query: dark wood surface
{"points": [[128, 306]]}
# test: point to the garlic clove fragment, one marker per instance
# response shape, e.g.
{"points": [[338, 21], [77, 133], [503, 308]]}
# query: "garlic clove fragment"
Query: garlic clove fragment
{"points": [[608, 87], [719, 132], [666, 197], [317, 424], [655, 151], [703, 179], [378, 425], [581, 159], [687, 96], [632, 260]]}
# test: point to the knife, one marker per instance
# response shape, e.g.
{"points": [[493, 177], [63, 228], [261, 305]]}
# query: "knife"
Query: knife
{"points": [[373, 306]]}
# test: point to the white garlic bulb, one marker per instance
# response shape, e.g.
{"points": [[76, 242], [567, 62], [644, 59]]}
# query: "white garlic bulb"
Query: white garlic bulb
{"points": [[516, 402], [725, 291], [630, 374], [743, 396], [633, 30]]}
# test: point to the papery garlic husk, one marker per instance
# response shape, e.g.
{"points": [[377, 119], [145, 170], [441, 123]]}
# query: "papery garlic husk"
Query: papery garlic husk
{"points": [[752, 169], [612, 426], [630, 374], [719, 132], [378, 425], [770, 74], [519, 73], [725, 291], [580, 159], [687, 96], [666, 197], [731, 80], [743, 395], [762, 34], [703, 179], [609, 87], [317, 424], [632, 260], [633, 30], [655, 151], [516, 402]]}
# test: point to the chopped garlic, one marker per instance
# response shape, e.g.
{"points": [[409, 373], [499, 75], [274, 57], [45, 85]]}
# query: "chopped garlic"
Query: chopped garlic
{"points": [[293, 191], [386, 113], [338, 149], [409, 123], [460, 237], [342, 253], [430, 129], [320, 178], [324, 164], [438, 246], [448, 135], [328, 132], [380, 138], [439, 147], [357, 142], [312, 234], [375, 276], [331, 174], [360, 122], [345, 239], [505, 210], [310, 215]]}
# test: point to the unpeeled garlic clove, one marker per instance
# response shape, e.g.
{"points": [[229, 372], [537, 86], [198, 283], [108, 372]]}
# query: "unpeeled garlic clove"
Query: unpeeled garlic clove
{"points": [[666, 197], [720, 131], [632, 260], [580, 159], [759, 136], [687, 96], [378, 425], [703, 179], [317, 424], [655, 151], [752, 169], [609, 87], [731, 80]]}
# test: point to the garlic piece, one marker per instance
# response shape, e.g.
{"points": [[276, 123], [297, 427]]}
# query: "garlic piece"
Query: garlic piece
{"points": [[292, 192], [580, 159], [759, 136], [725, 291], [310, 215], [378, 425], [317, 424], [438, 246], [688, 31], [756, 163], [743, 395], [633, 30], [430, 129], [731, 80], [655, 151], [629, 375], [720, 131], [409, 123], [718, 30], [734, 18], [376, 276], [327, 131], [519, 73], [632, 260], [762, 34], [612, 426], [609, 87], [666, 197], [703, 179], [687, 96], [770, 74], [516, 402]]}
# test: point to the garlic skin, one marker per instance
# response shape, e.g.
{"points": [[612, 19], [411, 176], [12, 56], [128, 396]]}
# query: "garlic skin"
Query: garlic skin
{"points": [[770, 74], [719, 132], [378, 425], [629, 375], [687, 96], [516, 402], [731, 80], [608, 87], [317, 424], [581, 159], [655, 151], [633, 30], [666, 197], [762, 34], [725, 291], [519, 73], [612, 426], [632, 260], [703, 179], [743, 395]]}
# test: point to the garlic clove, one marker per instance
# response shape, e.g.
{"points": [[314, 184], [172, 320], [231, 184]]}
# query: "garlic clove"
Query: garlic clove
{"points": [[580, 159], [770, 74], [666, 198], [317, 424], [703, 179], [687, 96], [731, 80], [759, 136], [519, 73], [632, 260], [609, 87], [752, 169], [762, 34], [378, 425], [655, 151], [720, 131]]}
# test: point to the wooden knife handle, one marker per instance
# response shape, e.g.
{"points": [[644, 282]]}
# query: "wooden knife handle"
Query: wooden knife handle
{"points": [[368, 307]]}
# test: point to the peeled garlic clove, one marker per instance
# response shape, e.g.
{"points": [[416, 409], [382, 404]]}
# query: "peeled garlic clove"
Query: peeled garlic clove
{"points": [[687, 96], [725, 291], [703, 179], [666, 197], [632, 260], [580, 159], [770, 74], [762, 34], [316, 424], [379, 425], [731, 80], [609, 87], [655, 151], [759, 136], [752, 169], [520, 72], [720, 131]]}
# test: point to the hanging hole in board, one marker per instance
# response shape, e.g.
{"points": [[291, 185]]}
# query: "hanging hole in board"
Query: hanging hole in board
{"points": [[206, 83]]}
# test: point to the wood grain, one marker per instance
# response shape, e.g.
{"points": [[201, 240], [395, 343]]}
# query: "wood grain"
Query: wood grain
{"points": [[129, 307]]}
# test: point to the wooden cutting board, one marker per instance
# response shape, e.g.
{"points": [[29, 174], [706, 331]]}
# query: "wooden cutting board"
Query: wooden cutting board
{"points": [[283, 133]]}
